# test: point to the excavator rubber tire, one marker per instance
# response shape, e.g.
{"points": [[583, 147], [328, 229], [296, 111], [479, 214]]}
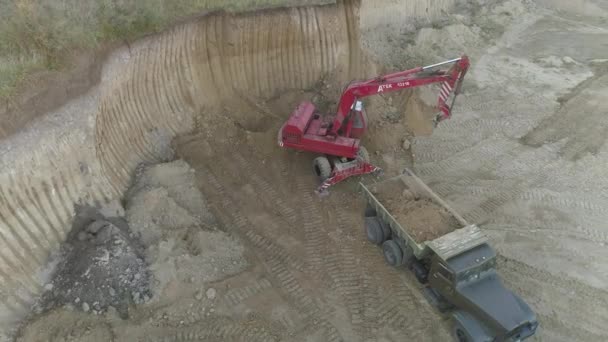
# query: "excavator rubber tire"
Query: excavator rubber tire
{"points": [[392, 253], [363, 154], [322, 168]]}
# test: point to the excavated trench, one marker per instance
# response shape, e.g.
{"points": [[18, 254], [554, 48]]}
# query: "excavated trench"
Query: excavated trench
{"points": [[163, 86]]}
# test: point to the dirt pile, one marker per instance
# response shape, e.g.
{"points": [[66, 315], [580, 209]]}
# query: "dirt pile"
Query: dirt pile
{"points": [[144, 271], [102, 267], [424, 219], [421, 217], [182, 238]]}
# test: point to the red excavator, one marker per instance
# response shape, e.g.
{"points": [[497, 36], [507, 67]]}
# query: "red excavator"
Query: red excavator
{"points": [[337, 137]]}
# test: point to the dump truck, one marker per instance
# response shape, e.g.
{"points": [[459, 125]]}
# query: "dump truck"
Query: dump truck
{"points": [[450, 257]]}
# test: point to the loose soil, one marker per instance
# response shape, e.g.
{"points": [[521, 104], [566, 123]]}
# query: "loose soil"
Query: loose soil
{"points": [[304, 271], [423, 219]]}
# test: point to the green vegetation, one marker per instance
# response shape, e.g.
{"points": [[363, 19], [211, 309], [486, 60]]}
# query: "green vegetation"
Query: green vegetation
{"points": [[38, 34]]}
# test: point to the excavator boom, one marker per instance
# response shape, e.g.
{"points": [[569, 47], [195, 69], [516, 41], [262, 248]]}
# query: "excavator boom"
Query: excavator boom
{"points": [[450, 80]]}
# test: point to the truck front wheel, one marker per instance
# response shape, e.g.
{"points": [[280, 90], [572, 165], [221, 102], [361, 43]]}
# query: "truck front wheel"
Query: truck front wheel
{"points": [[460, 335], [392, 253], [467, 328]]}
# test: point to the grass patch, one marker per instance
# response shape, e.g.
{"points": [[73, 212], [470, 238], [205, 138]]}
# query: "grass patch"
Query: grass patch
{"points": [[39, 34]]}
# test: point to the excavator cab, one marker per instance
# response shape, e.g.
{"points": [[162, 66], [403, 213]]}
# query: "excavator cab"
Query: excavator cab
{"points": [[356, 122]]}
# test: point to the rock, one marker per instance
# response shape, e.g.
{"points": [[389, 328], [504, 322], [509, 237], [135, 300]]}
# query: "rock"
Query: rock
{"points": [[48, 287], [82, 236], [94, 227], [211, 293], [112, 209], [405, 144], [104, 235], [112, 291], [199, 295], [85, 307]]}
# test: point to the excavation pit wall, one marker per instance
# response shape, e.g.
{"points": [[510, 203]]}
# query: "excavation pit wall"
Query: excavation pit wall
{"points": [[85, 152]]}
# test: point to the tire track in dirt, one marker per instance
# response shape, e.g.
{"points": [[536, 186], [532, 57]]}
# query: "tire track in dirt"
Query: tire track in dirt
{"points": [[426, 151], [506, 190], [547, 225], [238, 295], [346, 272], [483, 151], [312, 222], [592, 214], [568, 309], [219, 329], [279, 270], [267, 189]]}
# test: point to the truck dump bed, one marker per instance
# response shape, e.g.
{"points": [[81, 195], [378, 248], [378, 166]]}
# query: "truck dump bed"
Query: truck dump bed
{"points": [[421, 217]]}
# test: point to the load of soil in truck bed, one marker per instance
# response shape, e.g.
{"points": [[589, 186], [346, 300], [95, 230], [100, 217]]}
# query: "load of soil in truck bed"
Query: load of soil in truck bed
{"points": [[422, 218]]}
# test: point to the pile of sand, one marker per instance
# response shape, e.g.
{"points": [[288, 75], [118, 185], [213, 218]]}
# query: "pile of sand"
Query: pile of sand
{"points": [[422, 218], [183, 241]]}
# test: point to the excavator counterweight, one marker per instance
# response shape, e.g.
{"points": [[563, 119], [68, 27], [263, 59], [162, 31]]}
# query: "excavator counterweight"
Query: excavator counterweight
{"points": [[337, 137]]}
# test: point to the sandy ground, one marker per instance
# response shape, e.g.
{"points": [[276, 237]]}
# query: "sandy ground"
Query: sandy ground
{"points": [[524, 157]]}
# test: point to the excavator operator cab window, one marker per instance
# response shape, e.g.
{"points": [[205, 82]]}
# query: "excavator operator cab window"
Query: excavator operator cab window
{"points": [[359, 117]]}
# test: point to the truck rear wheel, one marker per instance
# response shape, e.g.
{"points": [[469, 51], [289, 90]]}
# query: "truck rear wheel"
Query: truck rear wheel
{"points": [[377, 232], [321, 168], [370, 211], [392, 253]]}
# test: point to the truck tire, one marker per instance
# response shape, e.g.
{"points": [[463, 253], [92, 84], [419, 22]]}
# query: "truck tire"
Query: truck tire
{"points": [[467, 328], [321, 168], [375, 230], [369, 211], [421, 273], [363, 154], [460, 334], [392, 253]]}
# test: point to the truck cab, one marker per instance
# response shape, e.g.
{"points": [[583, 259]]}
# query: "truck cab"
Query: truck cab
{"points": [[469, 282]]}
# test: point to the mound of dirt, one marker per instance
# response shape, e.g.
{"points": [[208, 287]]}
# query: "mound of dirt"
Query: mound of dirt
{"points": [[103, 266], [422, 218], [183, 241]]}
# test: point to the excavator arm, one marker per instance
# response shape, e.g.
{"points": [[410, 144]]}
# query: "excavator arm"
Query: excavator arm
{"points": [[450, 80]]}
